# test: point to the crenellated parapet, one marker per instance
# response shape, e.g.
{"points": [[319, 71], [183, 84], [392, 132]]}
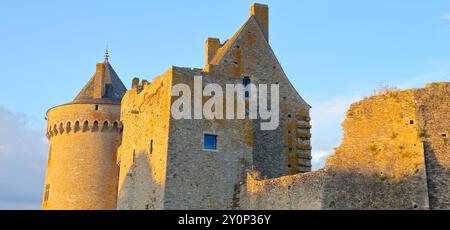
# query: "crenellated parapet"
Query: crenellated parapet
{"points": [[83, 126]]}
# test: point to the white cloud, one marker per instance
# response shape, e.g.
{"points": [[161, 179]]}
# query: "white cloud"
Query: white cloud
{"points": [[23, 154], [445, 17], [438, 73], [327, 115], [319, 158]]}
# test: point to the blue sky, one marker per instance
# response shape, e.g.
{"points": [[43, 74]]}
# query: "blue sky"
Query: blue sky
{"points": [[334, 52]]}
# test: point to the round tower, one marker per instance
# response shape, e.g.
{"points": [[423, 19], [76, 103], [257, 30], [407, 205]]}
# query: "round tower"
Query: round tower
{"points": [[84, 135]]}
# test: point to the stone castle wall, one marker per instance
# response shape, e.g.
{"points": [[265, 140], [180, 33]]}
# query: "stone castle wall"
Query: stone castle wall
{"points": [[211, 179], [143, 154], [208, 179], [433, 116], [81, 168], [296, 192], [380, 163], [286, 150], [394, 155]]}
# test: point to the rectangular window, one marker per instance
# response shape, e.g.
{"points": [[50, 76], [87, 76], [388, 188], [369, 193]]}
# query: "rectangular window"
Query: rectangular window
{"points": [[210, 142], [151, 146], [246, 81]]}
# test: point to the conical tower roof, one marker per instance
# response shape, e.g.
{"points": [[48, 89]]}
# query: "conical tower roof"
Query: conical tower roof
{"points": [[103, 87]]}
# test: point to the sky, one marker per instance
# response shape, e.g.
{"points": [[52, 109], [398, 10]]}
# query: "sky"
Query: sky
{"points": [[334, 52]]}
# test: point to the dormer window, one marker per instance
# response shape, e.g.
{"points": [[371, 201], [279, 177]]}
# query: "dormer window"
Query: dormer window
{"points": [[108, 90]]}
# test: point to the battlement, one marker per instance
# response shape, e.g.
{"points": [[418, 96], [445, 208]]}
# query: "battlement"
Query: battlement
{"points": [[83, 126], [138, 84]]}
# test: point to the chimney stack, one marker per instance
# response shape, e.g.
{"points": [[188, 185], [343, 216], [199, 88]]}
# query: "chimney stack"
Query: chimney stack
{"points": [[99, 81], [261, 13], [211, 48]]}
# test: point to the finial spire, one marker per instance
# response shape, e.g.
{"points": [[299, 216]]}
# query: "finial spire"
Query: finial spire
{"points": [[107, 53]]}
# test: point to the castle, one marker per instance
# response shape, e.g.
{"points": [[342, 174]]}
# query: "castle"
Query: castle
{"points": [[113, 148]]}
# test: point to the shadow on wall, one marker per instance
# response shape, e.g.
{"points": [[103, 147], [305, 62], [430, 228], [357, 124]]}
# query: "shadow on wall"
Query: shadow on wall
{"points": [[437, 178], [357, 191], [139, 189]]}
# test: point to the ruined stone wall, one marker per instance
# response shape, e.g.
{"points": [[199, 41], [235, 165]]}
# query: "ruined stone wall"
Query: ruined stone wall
{"points": [[380, 163], [394, 155], [433, 118], [143, 154], [302, 191], [81, 169]]}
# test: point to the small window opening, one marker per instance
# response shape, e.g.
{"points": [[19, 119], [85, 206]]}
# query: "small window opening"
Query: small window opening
{"points": [[289, 115], [96, 107], [151, 146], [411, 122], [210, 142], [246, 82]]}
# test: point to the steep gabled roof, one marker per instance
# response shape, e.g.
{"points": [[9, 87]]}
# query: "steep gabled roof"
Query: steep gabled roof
{"points": [[228, 44], [250, 25], [103, 87]]}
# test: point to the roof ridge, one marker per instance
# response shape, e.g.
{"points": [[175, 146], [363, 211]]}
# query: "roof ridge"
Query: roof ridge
{"points": [[223, 50]]}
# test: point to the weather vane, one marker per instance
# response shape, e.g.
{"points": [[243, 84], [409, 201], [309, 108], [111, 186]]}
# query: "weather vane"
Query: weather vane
{"points": [[107, 53]]}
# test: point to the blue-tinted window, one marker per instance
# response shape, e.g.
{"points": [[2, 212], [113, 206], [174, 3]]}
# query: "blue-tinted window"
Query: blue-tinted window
{"points": [[210, 141], [246, 82]]}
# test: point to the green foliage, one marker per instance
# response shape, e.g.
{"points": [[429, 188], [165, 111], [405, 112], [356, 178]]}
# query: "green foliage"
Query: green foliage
{"points": [[422, 133]]}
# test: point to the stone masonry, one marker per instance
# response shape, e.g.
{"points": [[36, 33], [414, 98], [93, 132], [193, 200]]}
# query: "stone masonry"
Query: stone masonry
{"points": [[394, 155], [84, 136], [113, 148], [158, 153]]}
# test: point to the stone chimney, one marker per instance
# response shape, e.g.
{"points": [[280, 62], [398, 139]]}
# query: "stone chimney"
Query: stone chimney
{"points": [[211, 48], [261, 14], [99, 81]]}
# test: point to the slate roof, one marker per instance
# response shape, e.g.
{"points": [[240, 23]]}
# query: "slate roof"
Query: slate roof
{"points": [[113, 88]]}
